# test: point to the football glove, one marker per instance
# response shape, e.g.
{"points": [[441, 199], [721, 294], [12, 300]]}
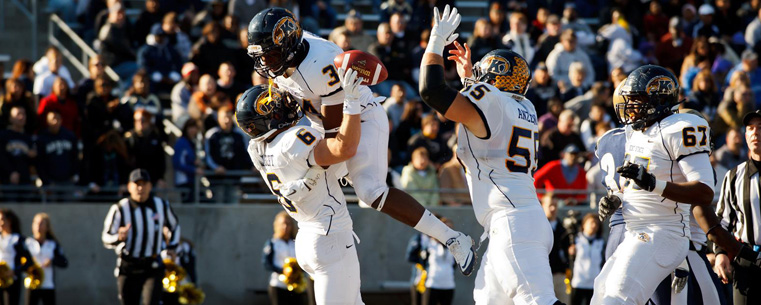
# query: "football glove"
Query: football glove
{"points": [[350, 83], [299, 190], [442, 32], [680, 277], [638, 174], [608, 205]]}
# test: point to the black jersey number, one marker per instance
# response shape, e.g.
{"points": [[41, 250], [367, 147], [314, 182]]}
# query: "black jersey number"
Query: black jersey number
{"points": [[331, 71], [516, 150], [689, 136], [273, 180]]}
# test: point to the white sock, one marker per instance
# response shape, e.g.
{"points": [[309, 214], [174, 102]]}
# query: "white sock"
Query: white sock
{"points": [[432, 226]]}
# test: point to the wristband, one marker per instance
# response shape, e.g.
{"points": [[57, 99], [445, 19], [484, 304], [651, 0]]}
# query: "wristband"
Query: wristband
{"points": [[352, 107], [660, 185]]}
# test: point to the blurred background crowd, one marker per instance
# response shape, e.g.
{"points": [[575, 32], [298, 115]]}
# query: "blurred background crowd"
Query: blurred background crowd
{"points": [[180, 65]]}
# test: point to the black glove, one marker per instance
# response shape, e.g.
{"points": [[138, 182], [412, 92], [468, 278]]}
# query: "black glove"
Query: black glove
{"points": [[747, 257], [608, 205], [638, 174]]}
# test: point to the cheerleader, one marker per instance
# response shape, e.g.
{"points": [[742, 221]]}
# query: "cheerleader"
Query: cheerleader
{"points": [[280, 246], [13, 252], [46, 251]]}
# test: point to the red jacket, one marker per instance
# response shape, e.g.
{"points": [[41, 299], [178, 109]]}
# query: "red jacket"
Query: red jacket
{"points": [[550, 177], [68, 109]]}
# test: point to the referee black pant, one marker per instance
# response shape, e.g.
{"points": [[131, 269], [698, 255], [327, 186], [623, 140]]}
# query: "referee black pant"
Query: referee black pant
{"points": [[133, 287], [746, 284]]}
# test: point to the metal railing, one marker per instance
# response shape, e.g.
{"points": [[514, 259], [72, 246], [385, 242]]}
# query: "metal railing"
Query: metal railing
{"points": [[57, 25], [29, 12]]}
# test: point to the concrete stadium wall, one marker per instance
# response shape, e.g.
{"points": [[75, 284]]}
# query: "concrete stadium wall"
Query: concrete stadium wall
{"points": [[229, 241]]}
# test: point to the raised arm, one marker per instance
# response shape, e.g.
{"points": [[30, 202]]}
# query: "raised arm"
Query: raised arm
{"points": [[344, 145], [433, 88]]}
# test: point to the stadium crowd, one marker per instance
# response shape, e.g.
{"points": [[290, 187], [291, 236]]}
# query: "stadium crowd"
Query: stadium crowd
{"points": [[185, 61]]}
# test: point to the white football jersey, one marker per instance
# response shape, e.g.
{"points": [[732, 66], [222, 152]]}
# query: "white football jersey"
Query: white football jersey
{"points": [[286, 159], [499, 168], [659, 148], [316, 82]]}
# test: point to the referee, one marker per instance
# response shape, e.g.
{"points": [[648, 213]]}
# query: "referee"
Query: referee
{"points": [[134, 228], [740, 212]]}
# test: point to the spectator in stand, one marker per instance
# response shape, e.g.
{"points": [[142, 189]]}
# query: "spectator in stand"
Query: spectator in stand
{"points": [[690, 18], [556, 139], [214, 12], [422, 13], [417, 54], [483, 39], [178, 40], [244, 66], [105, 112], [323, 12], [15, 96], [704, 96], [183, 91], [53, 68], [226, 82], [58, 155], [587, 130], [547, 41], [160, 61], [564, 54], [342, 40], [394, 105], [452, 178], [565, 174], [225, 151], [561, 242], [734, 151], [726, 19], [396, 60], [102, 15], [146, 147], [185, 161], [96, 67], [420, 180], [732, 109], [589, 252], [497, 18], [22, 70], [701, 51], [542, 88], [246, 9], [655, 22], [753, 33], [16, 150], [429, 137], [582, 104], [139, 96], [549, 120], [230, 30], [749, 65], [151, 15], [582, 31], [209, 52], [353, 26], [576, 85], [62, 101], [115, 44], [198, 107], [705, 27], [402, 37], [408, 126], [539, 24], [46, 251], [517, 39], [109, 166], [389, 7], [673, 47]]}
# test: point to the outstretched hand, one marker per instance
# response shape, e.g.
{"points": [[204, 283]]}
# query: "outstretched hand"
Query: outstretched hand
{"points": [[461, 56]]}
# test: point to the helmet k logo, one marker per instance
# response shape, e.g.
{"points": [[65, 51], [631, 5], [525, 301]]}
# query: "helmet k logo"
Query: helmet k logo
{"points": [[497, 65], [284, 28], [660, 85]]}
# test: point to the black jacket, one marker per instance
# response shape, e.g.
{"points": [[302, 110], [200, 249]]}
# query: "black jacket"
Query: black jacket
{"points": [[57, 156], [147, 152]]}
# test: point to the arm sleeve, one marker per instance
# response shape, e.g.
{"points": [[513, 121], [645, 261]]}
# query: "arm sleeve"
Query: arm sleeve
{"points": [[268, 258], [110, 235], [697, 167], [173, 224], [59, 260]]}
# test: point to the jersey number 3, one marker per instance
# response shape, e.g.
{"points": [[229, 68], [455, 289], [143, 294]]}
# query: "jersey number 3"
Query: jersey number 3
{"points": [[274, 180], [515, 149]]}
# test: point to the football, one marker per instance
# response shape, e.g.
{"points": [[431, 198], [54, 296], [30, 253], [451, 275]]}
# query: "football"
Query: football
{"points": [[369, 67]]}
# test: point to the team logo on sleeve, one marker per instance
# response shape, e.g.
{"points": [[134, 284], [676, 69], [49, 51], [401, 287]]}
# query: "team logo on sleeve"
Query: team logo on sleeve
{"points": [[285, 28], [660, 85]]}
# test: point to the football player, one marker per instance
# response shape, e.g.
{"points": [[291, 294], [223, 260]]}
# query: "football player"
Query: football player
{"points": [[302, 64], [498, 139], [666, 169], [291, 159]]}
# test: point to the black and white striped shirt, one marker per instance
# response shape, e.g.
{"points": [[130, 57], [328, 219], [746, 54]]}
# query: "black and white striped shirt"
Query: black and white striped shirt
{"points": [[145, 237], [738, 206]]}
